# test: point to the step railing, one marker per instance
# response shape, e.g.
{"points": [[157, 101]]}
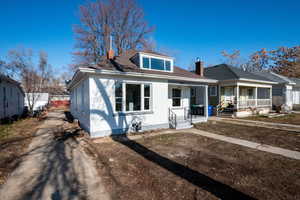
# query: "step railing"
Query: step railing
{"points": [[172, 118]]}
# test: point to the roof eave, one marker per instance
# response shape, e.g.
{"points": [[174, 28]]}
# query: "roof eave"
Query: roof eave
{"points": [[138, 74], [258, 81]]}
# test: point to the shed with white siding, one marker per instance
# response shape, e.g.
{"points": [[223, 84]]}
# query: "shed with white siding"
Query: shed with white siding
{"points": [[11, 97]]}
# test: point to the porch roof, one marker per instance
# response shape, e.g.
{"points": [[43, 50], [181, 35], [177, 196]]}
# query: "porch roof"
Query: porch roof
{"points": [[226, 72], [276, 77]]}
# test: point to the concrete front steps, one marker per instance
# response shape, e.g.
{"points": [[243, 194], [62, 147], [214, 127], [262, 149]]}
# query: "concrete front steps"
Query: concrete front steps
{"points": [[183, 124]]}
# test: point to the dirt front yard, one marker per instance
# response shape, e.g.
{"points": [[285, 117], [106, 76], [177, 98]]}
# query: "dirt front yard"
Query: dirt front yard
{"points": [[279, 138], [287, 119], [14, 139], [188, 166]]}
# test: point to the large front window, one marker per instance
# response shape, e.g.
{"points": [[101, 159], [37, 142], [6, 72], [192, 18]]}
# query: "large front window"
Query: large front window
{"points": [[132, 97]]}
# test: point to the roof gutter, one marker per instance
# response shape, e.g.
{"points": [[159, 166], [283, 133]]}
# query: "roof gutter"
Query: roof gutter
{"points": [[258, 81]]}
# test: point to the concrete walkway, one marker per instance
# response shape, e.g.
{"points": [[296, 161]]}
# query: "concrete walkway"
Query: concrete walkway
{"points": [[279, 126], [54, 168], [261, 147]]}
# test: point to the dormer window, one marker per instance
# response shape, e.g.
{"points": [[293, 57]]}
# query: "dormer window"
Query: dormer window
{"points": [[153, 62]]}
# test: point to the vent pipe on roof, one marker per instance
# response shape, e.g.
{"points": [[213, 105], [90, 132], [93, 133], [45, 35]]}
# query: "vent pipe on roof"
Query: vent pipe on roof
{"points": [[110, 53]]}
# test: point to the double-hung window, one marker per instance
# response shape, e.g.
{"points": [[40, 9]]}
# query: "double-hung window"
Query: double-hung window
{"points": [[212, 90], [176, 97], [147, 97], [131, 97], [118, 96]]}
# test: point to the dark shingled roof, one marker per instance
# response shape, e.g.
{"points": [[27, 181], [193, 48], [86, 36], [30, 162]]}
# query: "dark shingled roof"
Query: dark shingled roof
{"points": [[124, 63], [10, 80], [296, 80], [275, 77], [227, 72]]}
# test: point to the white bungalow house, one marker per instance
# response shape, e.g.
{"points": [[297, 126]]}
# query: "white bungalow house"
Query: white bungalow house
{"points": [[296, 93], [138, 91], [11, 97], [239, 92], [285, 92]]}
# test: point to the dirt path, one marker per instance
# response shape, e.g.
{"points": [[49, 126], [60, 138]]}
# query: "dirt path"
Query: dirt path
{"points": [[54, 169]]}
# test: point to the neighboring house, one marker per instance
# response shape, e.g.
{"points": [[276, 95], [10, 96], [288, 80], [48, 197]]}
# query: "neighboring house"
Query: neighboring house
{"points": [[282, 92], [137, 91], [38, 100], [296, 92], [243, 92], [11, 97]]}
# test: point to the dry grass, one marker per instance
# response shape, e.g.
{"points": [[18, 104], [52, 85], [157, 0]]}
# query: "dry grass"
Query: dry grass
{"points": [[187, 166], [14, 139], [287, 119], [279, 138]]}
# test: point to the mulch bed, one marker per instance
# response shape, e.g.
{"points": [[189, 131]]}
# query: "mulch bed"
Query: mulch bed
{"points": [[187, 166], [279, 138]]}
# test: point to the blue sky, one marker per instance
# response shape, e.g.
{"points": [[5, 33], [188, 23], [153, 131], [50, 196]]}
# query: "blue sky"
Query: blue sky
{"points": [[185, 29]]}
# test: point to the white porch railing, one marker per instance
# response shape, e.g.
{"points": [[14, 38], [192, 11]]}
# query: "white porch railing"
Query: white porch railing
{"points": [[246, 103], [252, 103], [264, 102]]}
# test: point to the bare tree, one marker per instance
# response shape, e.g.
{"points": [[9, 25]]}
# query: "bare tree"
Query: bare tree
{"points": [[286, 61], [121, 19], [2, 67], [233, 58], [34, 77], [259, 60]]}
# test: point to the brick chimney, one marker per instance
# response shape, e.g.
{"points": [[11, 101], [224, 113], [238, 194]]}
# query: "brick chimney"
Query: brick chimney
{"points": [[199, 68], [110, 54]]}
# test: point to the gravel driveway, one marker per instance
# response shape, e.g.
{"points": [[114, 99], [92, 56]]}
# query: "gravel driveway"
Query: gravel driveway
{"points": [[54, 168]]}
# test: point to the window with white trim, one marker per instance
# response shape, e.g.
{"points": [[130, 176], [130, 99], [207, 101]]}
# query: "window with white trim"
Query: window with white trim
{"points": [[212, 91], [118, 96], [147, 96], [154, 63], [176, 97], [132, 97]]}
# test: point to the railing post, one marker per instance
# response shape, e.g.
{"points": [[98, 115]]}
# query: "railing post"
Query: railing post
{"points": [[255, 93]]}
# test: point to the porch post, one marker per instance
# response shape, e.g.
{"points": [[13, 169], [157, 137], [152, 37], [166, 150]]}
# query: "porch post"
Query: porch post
{"points": [[255, 96], [206, 101], [237, 96], [219, 94], [271, 98]]}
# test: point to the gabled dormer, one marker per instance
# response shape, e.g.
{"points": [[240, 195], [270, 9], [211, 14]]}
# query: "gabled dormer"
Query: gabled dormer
{"points": [[152, 61]]}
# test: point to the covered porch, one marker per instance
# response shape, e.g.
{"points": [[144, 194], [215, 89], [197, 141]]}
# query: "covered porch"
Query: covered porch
{"points": [[241, 97], [188, 103]]}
